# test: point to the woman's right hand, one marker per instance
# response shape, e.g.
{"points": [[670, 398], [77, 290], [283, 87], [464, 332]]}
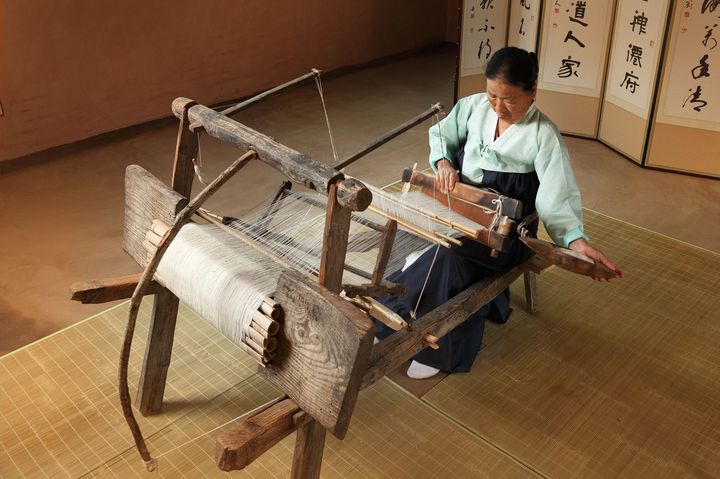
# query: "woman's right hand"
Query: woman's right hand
{"points": [[446, 176]]}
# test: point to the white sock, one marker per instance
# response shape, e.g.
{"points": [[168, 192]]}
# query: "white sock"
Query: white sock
{"points": [[375, 340], [421, 371]]}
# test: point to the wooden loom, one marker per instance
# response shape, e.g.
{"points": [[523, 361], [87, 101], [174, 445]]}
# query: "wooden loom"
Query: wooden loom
{"points": [[317, 323]]}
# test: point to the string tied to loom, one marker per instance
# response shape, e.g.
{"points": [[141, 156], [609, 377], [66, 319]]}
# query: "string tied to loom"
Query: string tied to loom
{"points": [[318, 82], [197, 161], [413, 312]]}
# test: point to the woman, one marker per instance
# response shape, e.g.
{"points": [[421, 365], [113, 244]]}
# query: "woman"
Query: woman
{"points": [[498, 140]]}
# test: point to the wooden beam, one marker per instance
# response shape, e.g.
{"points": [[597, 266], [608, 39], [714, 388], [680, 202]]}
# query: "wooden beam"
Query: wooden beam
{"points": [[239, 447], [568, 259], [378, 142], [393, 351], [298, 167], [186, 150], [96, 291], [374, 290], [146, 199]]}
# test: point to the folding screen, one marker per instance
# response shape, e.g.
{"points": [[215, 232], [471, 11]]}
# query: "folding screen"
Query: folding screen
{"points": [[685, 135], [630, 87], [573, 53]]}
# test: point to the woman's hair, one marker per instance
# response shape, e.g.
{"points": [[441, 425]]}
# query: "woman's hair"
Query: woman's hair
{"points": [[514, 65]]}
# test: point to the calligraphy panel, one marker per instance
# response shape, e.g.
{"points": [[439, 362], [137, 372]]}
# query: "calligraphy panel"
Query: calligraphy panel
{"points": [[635, 54], [484, 28], [690, 93], [524, 24], [574, 44]]}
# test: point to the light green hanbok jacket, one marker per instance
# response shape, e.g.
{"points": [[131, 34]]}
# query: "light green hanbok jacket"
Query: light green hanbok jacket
{"points": [[532, 144]]}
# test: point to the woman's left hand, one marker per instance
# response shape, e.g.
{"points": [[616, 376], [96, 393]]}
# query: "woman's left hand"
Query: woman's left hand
{"points": [[581, 245]]}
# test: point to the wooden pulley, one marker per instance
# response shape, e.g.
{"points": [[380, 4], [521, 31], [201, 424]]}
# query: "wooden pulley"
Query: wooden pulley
{"points": [[568, 259]]}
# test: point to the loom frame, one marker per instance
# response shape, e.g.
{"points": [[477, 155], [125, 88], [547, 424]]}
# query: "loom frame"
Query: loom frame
{"points": [[265, 428]]}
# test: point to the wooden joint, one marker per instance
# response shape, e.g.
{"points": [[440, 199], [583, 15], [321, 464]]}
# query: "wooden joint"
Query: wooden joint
{"points": [[352, 194]]}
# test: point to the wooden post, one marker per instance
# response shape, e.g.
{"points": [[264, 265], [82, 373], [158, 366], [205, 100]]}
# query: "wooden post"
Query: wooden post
{"points": [[309, 448], [384, 252], [531, 301], [158, 352], [335, 239], [310, 441], [158, 349]]}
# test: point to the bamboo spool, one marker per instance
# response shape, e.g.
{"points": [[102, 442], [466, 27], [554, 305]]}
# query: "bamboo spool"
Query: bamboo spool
{"points": [[270, 325]]}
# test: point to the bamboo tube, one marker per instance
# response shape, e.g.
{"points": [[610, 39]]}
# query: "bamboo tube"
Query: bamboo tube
{"points": [[159, 228], [257, 337], [263, 332], [149, 247], [271, 345], [153, 237], [257, 357], [269, 325], [258, 349], [452, 240], [274, 312], [271, 302]]}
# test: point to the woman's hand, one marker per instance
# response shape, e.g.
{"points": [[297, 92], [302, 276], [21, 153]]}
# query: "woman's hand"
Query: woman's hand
{"points": [[446, 176], [582, 246]]}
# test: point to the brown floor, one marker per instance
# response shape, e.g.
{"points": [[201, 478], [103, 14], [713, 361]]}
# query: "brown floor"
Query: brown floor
{"points": [[61, 211]]}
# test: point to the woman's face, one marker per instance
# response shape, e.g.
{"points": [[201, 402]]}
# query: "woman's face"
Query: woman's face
{"points": [[510, 102]]}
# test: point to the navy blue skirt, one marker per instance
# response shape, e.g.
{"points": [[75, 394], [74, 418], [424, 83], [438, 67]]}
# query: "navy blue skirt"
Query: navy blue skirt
{"points": [[454, 270]]}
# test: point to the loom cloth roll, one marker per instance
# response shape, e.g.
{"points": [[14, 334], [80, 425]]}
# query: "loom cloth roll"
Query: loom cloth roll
{"points": [[218, 278], [456, 269]]}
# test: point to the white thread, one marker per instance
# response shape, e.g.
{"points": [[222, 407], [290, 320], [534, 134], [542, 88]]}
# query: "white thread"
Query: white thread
{"points": [[224, 280], [318, 81], [413, 313], [211, 278], [197, 161]]}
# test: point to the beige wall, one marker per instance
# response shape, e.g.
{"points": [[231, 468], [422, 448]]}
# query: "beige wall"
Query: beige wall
{"points": [[73, 69]]}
